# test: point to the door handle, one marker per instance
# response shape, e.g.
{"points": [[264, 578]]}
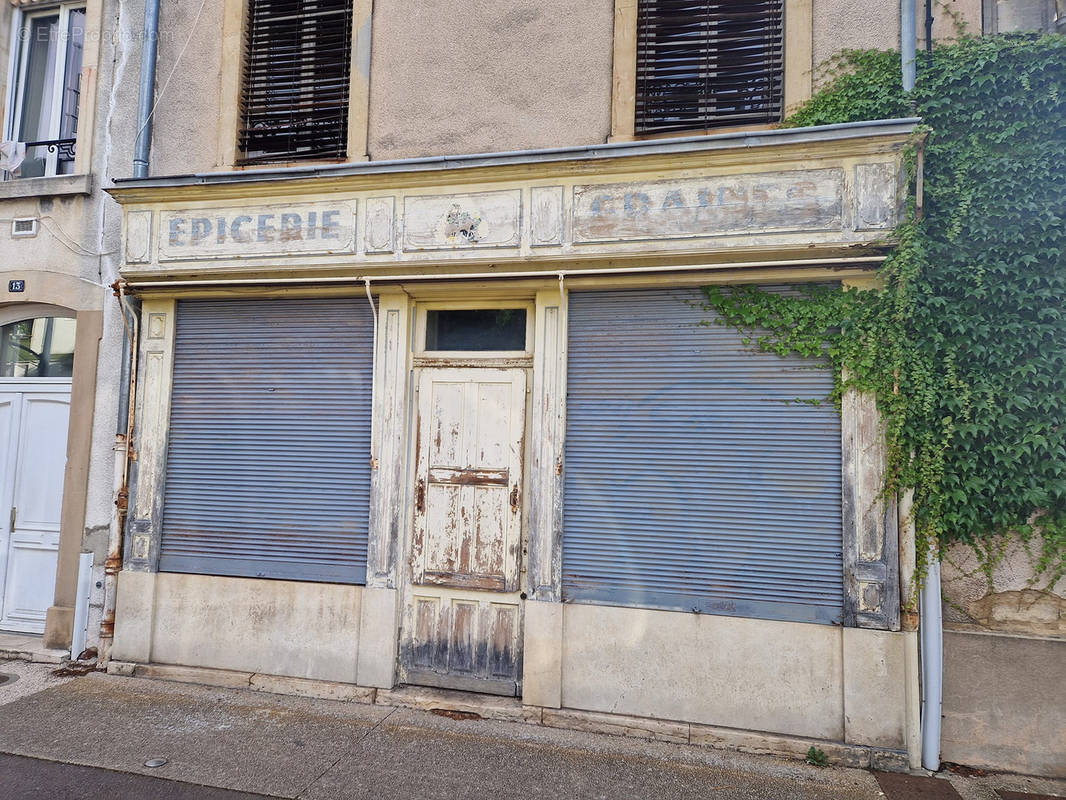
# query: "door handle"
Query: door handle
{"points": [[420, 496], [14, 513], [514, 499]]}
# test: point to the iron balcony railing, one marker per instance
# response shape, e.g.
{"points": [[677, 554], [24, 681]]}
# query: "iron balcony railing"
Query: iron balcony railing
{"points": [[64, 147]]}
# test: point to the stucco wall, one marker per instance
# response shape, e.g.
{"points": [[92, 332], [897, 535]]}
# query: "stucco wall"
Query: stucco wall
{"points": [[790, 678], [449, 78], [1003, 702], [845, 24], [302, 630], [1012, 598], [951, 17], [485, 76], [185, 122]]}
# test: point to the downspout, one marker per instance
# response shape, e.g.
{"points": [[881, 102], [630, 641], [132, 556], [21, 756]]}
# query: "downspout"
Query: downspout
{"points": [[932, 635], [130, 319], [930, 627], [144, 103], [123, 454], [908, 38], [928, 32]]}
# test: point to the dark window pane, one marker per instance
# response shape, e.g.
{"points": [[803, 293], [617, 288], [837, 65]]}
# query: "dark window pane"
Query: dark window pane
{"points": [[68, 123], [297, 76], [37, 348], [476, 329], [42, 38], [705, 65]]}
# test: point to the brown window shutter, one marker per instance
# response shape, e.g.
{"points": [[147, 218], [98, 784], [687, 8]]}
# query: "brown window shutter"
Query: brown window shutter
{"points": [[708, 64], [297, 67]]}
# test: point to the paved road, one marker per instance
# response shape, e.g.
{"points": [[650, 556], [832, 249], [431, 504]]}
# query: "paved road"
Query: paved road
{"points": [[33, 779], [90, 737]]}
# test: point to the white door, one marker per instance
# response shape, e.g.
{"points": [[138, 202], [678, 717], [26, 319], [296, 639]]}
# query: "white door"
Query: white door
{"points": [[462, 614], [33, 455]]}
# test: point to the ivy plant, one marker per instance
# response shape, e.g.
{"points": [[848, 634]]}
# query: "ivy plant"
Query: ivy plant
{"points": [[964, 348]]}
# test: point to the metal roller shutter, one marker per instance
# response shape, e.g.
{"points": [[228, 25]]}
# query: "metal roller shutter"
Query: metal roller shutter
{"points": [[693, 478], [268, 461]]}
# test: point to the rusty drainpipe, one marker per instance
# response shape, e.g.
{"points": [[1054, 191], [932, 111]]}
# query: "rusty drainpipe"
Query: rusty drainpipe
{"points": [[124, 454]]}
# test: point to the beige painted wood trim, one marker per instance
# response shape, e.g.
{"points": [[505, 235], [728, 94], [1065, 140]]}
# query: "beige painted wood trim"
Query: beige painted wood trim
{"points": [[233, 19], [870, 520], [546, 446], [388, 475], [799, 54], [154, 376], [233, 15]]}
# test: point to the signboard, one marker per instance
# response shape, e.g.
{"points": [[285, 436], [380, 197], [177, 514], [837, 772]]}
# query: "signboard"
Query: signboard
{"points": [[726, 205], [482, 219], [251, 231]]}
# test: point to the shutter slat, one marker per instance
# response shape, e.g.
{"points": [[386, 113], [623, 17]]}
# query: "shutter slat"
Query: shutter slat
{"points": [[708, 64], [296, 80], [276, 486], [692, 478]]}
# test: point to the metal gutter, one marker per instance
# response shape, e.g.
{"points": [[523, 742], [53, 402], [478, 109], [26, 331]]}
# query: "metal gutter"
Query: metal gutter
{"points": [[711, 143], [143, 147]]}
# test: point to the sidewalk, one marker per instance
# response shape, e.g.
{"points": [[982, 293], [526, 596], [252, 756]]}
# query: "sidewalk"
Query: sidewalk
{"points": [[291, 747]]}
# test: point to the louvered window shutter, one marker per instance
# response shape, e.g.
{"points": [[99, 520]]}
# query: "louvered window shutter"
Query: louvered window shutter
{"points": [[708, 64], [297, 67]]}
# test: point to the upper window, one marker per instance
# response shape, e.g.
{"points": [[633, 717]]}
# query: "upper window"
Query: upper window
{"points": [[43, 118], [297, 69], [38, 348], [1014, 16], [708, 64]]}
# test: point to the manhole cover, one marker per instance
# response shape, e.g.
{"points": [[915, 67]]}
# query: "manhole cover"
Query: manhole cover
{"points": [[7, 678]]}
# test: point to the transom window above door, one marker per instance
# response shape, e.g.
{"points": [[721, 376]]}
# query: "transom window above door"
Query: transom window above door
{"points": [[476, 329], [38, 348], [42, 127]]}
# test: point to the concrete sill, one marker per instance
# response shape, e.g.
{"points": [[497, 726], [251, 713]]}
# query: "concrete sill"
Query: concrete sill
{"points": [[55, 186]]}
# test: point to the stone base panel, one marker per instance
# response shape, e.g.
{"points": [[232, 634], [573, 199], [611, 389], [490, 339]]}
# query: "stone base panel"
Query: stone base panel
{"points": [[512, 710]]}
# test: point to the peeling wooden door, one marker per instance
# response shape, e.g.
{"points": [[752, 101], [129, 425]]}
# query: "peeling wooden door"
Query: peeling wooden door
{"points": [[462, 619]]}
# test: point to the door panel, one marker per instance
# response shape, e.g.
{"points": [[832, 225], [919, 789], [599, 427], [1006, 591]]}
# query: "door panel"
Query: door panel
{"points": [[37, 500], [463, 640], [462, 619], [467, 529], [10, 408]]}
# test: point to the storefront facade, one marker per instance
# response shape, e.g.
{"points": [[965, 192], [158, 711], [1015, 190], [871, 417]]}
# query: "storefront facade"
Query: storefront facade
{"points": [[465, 423]]}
